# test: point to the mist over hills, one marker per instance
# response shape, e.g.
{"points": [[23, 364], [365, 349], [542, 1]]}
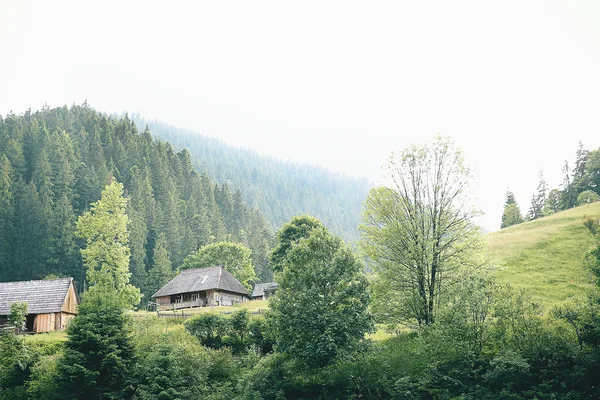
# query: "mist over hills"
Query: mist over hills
{"points": [[280, 189]]}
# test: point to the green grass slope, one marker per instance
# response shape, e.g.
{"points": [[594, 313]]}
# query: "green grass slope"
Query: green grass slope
{"points": [[545, 256]]}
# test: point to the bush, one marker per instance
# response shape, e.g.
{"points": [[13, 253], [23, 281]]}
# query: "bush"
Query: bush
{"points": [[587, 196], [209, 328]]}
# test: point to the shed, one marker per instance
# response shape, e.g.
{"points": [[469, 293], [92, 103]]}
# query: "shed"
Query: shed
{"points": [[51, 303], [264, 290], [200, 287]]}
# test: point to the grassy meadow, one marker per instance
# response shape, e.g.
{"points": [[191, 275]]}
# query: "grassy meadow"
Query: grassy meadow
{"points": [[545, 256]]}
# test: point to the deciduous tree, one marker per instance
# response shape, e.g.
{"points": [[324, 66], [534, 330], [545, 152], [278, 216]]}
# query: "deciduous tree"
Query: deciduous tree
{"points": [[106, 252], [418, 231], [320, 310]]}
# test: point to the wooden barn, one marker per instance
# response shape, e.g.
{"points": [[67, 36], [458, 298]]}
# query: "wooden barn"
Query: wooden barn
{"points": [[51, 303], [264, 290], [201, 287]]}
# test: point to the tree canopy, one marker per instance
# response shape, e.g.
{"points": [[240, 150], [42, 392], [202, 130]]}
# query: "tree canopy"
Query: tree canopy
{"points": [[418, 232], [320, 310], [106, 253], [55, 162]]}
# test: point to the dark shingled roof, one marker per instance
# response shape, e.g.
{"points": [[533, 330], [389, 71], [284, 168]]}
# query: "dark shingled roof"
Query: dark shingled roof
{"points": [[260, 288], [200, 279], [42, 297]]}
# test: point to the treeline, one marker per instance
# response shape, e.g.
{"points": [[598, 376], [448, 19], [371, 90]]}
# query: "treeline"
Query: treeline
{"points": [[581, 185], [279, 189], [55, 162]]}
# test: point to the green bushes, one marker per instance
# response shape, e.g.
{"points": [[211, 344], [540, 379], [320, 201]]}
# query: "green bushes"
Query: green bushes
{"points": [[238, 331], [587, 196]]}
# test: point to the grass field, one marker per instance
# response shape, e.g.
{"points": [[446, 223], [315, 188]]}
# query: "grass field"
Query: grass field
{"points": [[252, 306], [56, 336], [545, 256]]}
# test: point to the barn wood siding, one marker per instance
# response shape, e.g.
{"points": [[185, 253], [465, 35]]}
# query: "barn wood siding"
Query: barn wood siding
{"points": [[70, 303], [44, 323], [64, 320]]}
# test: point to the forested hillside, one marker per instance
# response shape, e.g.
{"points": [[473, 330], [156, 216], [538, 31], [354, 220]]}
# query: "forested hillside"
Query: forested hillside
{"points": [[55, 162], [279, 189]]}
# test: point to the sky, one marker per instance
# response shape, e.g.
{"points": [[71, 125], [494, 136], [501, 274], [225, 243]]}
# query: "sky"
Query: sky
{"points": [[516, 84]]}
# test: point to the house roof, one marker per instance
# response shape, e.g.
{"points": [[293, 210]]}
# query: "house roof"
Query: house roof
{"points": [[200, 279], [42, 297], [261, 288]]}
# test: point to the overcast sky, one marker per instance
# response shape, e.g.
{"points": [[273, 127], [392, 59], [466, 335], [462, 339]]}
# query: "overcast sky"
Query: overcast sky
{"points": [[339, 84]]}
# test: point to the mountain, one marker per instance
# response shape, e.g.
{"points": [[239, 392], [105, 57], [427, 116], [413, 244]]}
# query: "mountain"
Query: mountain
{"points": [[55, 162], [279, 189], [546, 256]]}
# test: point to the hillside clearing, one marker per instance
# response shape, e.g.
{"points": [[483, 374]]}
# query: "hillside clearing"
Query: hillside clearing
{"points": [[545, 256]]}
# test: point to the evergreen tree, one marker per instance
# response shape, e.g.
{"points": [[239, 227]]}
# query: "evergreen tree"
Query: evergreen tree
{"points": [[162, 271], [579, 177], [552, 204], [567, 195], [6, 219], [538, 200], [98, 355], [512, 213]]}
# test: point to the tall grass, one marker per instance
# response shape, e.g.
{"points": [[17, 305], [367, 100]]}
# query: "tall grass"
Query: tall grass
{"points": [[546, 256]]}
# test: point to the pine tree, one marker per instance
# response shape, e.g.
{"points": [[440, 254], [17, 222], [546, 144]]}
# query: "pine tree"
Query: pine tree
{"points": [[512, 213], [538, 200], [6, 217], [98, 356], [579, 177], [568, 197], [162, 271]]}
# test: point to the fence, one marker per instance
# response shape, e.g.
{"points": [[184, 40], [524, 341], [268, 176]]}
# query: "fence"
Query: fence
{"points": [[184, 315]]}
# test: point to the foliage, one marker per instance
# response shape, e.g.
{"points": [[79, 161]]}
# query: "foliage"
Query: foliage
{"points": [[99, 354], [279, 189], [512, 214], [234, 257], [106, 255], [15, 361], [320, 309], [55, 162], [209, 328], [238, 331], [43, 383], [587, 197], [418, 233], [162, 271], [289, 234], [538, 200], [18, 316]]}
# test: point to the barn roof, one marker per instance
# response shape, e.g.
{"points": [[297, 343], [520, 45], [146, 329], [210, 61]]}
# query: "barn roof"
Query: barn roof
{"points": [[261, 288], [45, 296], [200, 279]]}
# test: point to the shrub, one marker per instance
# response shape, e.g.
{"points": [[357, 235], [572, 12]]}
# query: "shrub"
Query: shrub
{"points": [[587, 196], [209, 328]]}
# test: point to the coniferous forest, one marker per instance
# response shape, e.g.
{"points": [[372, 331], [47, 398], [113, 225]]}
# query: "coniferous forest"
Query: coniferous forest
{"points": [[279, 189], [55, 162]]}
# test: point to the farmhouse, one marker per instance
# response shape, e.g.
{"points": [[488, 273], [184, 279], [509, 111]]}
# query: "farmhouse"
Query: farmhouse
{"points": [[263, 290], [51, 303], [200, 287]]}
